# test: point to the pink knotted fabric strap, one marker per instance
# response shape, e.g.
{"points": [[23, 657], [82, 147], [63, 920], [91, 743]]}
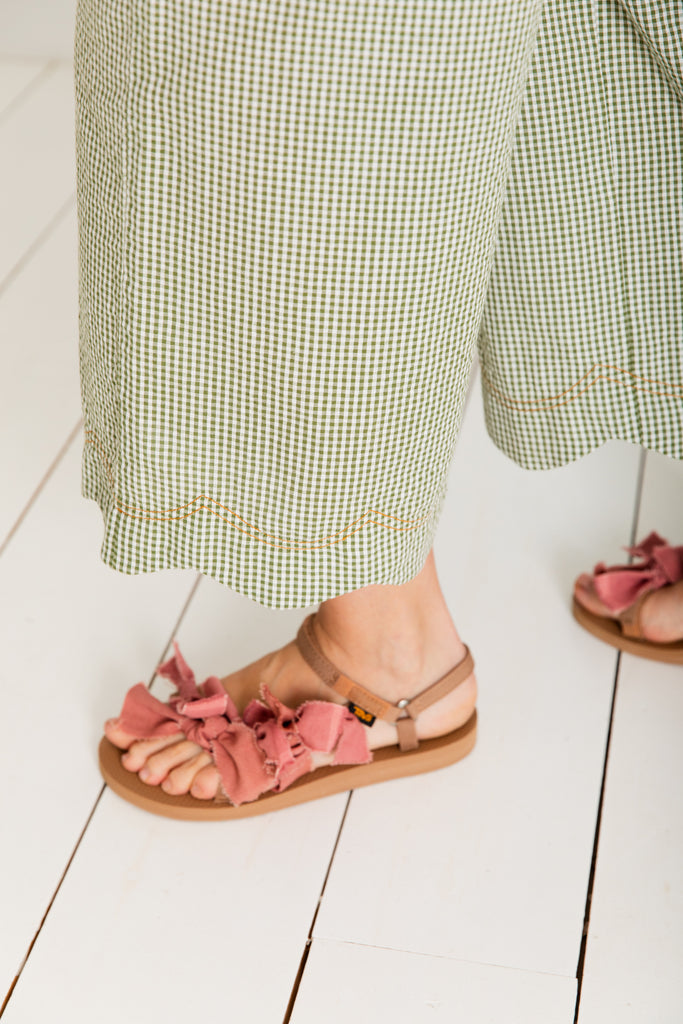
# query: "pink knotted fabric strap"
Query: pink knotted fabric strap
{"points": [[288, 738], [267, 749], [620, 586]]}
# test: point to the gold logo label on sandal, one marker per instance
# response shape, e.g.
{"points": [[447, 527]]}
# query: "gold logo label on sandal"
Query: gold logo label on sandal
{"points": [[365, 717]]}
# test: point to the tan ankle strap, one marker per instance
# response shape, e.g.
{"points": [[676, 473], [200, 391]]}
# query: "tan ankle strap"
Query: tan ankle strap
{"points": [[366, 705]]}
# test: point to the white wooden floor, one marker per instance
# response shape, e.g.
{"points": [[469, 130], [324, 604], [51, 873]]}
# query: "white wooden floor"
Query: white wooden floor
{"points": [[459, 896]]}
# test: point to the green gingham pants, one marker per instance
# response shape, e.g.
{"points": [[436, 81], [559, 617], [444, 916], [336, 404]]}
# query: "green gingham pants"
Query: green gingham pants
{"points": [[297, 221]]}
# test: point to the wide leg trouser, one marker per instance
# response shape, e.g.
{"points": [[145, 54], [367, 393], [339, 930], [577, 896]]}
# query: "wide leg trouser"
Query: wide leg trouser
{"points": [[289, 213], [582, 334]]}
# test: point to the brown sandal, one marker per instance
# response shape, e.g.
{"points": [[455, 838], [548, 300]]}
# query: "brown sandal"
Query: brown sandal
{"points": [[264, 758], [623, 589]]}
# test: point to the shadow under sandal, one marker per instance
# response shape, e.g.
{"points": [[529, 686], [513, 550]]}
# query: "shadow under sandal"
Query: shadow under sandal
{"points": [[264, 758], [624, 589]]}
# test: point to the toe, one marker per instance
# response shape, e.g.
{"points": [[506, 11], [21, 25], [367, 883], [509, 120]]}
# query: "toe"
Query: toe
{"points": [[116, 735], [138, 752], [583, 588], [584, 592], [179, 780], [159, 764], [205, 785]]}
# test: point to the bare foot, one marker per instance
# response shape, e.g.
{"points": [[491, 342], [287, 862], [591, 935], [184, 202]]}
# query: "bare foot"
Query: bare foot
{"points": [[395, 640], [661, 614]]}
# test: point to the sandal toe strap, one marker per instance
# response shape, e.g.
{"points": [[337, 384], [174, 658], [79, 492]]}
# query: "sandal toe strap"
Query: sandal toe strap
{"points": [[621, 588]]}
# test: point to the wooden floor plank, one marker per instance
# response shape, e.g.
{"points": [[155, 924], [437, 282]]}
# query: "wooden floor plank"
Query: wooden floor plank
{"points": [[37, 172], [345, 982], [632, 972], [164, 920], [39, 386], [15, 77], [74, 635], [33, 28], [661, 504], [635, 942]]}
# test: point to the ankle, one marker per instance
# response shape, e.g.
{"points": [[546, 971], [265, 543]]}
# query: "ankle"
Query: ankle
{"points": [[391, 637], [405, 645]]}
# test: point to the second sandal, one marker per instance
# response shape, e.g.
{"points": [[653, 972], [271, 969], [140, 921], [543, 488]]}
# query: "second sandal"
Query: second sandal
{"points": [[264, 757], [624, 589]]}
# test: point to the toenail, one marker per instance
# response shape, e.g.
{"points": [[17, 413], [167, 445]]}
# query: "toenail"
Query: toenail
{"points": [[144, 774]]}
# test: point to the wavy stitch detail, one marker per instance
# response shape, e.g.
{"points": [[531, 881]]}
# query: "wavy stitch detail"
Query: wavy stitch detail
{"points": [[162, 515], [541, 404]]}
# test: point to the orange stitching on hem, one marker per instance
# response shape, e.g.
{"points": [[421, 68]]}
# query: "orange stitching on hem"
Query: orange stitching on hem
{"points": [[302, 546], [160, 516], [207, 497], [540, 404]]}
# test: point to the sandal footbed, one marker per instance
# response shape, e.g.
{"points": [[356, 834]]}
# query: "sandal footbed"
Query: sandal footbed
{"points": [[387, 763], [610, 632]]}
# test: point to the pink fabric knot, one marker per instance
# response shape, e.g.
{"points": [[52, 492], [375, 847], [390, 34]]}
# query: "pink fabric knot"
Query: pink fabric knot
{"points": [[205, 710], [276, 730], [619, 586], [288, 737]]}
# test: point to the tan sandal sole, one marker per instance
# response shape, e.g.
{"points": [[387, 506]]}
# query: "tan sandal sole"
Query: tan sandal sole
{"points": [[609, 631], [387, 763]]}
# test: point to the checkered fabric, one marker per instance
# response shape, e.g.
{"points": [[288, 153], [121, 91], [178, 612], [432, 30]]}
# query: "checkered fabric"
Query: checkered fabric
{"points": [[297, 218], [582, 334]]}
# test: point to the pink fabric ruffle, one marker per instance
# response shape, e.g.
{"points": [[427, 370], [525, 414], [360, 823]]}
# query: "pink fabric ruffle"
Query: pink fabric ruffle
{"points": [[619, 586], [266, 749], [288, 738]]}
